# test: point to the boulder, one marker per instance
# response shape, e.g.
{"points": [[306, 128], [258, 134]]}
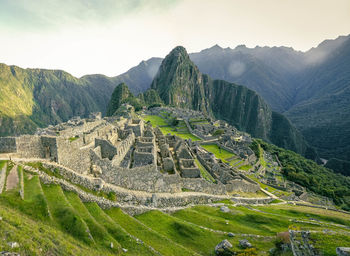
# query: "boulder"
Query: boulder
{"points": [[343, 251], [223, 248], [224, 209], [13, 244], [9, 254], [230, 234], [244, 244]]}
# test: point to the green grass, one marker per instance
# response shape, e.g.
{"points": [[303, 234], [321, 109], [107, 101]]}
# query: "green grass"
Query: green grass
{"points": [[73, 138], [33, 196], [182, 134], [117, 232], [64, 214], [162, 244], [155, 120], [328, 243], [305, 212], [55, 173], [270, 189], [36, 237], [98, 232], [275, 201], [240, 220], [2, 164], [219, 153], [190, 236], [182, 129], [261, 156], [245, 167], [204, 173]]}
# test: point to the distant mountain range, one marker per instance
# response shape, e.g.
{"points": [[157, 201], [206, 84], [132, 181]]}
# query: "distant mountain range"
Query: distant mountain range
{"points": [[311, 88]]}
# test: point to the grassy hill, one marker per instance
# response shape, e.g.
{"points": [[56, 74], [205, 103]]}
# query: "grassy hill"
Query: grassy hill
{"points": [[50, 221]]}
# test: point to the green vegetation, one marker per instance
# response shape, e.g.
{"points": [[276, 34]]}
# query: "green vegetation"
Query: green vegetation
{"points": [[218, 152], [307, 173], [276, 201], [218, 132], [182, 233], [55, 173], [73, 138], [183, 135], [36, 237], [245, 167], [327, 243], [161, 243], [64, 215], [155, 120], [98, 232], [204, 173], [272, 190], [121, 95], [117, 232], [49, 220], [166, 126]]}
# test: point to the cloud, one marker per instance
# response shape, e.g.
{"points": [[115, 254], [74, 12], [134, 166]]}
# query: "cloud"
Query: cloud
{"points": [[41, 15], [236, 68]]}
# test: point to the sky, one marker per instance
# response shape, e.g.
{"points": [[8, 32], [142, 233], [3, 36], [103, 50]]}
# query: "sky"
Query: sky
{"points": [[111, 36]]}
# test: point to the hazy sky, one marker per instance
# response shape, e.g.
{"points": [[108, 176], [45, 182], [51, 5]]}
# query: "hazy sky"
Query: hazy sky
{"points": [[109, 37]]}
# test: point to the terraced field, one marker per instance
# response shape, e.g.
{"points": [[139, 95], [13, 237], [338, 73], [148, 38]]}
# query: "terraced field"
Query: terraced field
{"points": [[180, 130], [50, 221]]}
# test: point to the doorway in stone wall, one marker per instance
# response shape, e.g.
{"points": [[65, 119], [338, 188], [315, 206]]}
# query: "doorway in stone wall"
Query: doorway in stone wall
{"points": [[47, 152]]}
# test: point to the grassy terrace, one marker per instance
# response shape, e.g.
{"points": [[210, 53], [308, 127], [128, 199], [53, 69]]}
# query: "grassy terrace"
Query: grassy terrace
{"points": [[179, 130], [272, 190], [219, 153], [205, 174], [50, 221]]}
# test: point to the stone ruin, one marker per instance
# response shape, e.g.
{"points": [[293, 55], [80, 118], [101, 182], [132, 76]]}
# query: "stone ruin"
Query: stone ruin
{"points": [[126, 152]]}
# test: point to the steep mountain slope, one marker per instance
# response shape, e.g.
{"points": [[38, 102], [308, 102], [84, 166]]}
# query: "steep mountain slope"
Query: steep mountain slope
{"points": [[35, 97], [137, 78], [120, 95], [322, 111], [31, 98], [180, 84], [257, 68]]}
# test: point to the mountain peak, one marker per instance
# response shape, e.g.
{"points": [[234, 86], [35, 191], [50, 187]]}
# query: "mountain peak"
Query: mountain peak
{"points": [[179, 52]]}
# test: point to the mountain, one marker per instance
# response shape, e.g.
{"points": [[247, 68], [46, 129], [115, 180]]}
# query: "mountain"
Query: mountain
{"points": [[137, 78], [322, 109], [179, 83], [34, 97], [311, 88], [257, 68], [31, 98], [120, 95]]}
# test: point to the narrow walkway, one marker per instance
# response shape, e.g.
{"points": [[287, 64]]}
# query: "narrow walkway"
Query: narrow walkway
{"points": [[2, 178], [12, 179]]}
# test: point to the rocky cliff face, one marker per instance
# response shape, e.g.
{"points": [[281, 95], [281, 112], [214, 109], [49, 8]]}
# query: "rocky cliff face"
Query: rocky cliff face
{"points": [[179, 83]]}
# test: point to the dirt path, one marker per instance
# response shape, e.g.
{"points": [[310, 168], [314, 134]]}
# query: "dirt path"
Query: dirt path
{"points": [[12, 179]]}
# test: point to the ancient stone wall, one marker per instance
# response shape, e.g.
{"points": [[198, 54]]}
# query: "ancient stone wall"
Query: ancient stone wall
{"points": [[49, 145], [85, 127], [107, 149], [242, 185], [29, 146], [8, 145], [73, 155], [123, 148]]}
